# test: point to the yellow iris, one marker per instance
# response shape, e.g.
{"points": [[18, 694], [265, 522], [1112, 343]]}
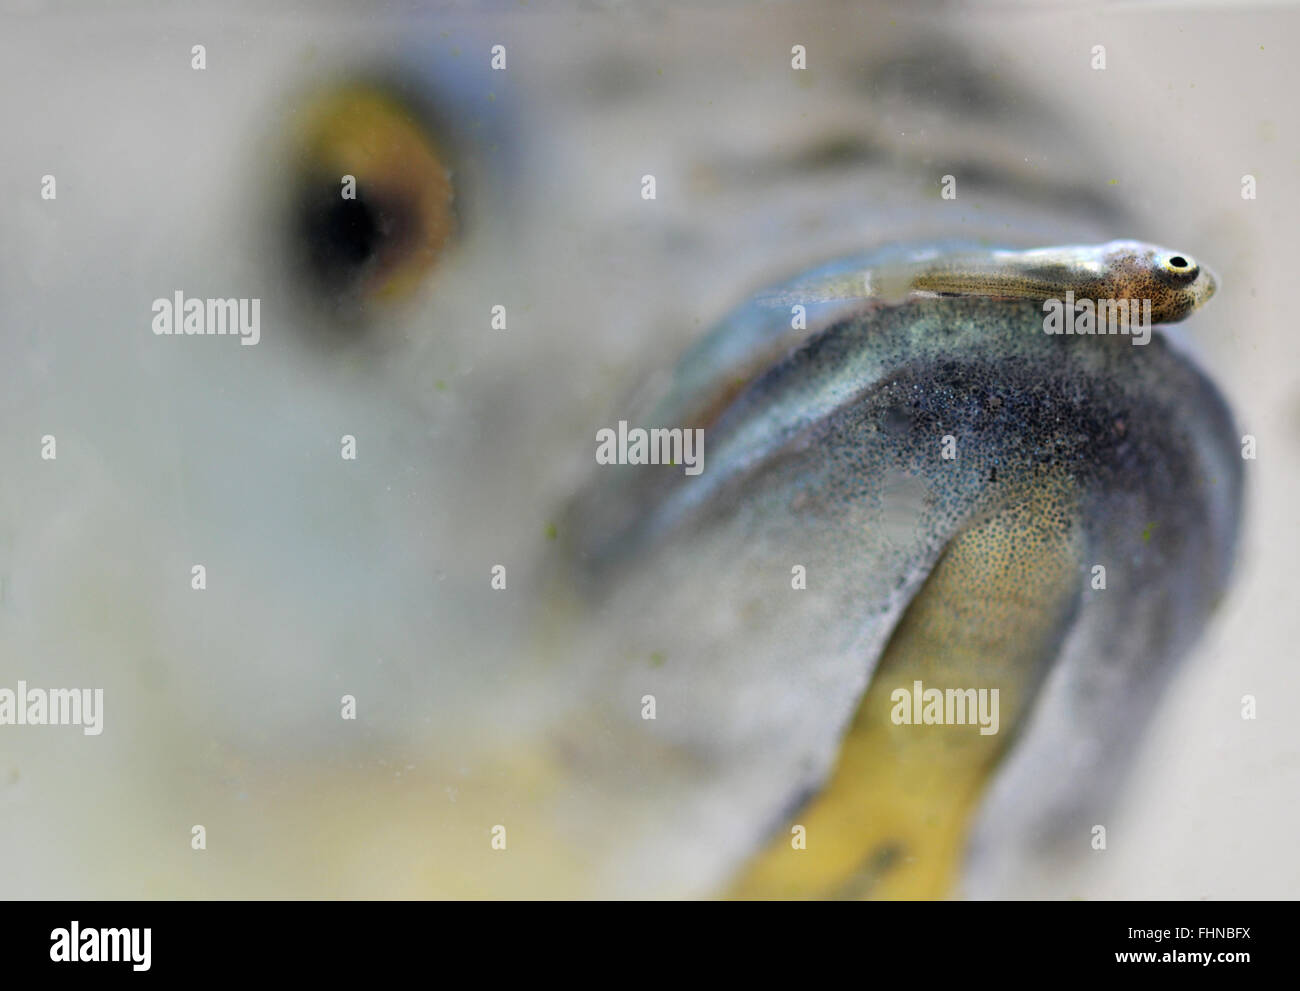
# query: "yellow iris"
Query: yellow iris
{"points": [[377, 193]]}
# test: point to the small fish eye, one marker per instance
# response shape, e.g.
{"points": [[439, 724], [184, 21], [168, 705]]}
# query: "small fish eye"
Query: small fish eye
{"points": [[371, 209], [1180, 267]]}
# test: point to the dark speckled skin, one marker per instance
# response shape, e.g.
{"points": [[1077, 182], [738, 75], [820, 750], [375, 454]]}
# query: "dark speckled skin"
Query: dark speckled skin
{"points": [[978, 369], [832, 459]]}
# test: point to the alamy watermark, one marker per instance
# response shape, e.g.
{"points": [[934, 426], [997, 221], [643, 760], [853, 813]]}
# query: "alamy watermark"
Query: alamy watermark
{"points": [[77, 945], [651, 446], [1101, 316], [921, 706], [82, 707], [178, 315]]}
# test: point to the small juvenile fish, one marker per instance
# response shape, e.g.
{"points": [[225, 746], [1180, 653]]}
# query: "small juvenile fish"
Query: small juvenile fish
{"points": [[1173, 281]]}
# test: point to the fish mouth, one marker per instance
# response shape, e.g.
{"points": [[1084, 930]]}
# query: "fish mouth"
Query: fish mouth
{"points": [[1209, 285]]}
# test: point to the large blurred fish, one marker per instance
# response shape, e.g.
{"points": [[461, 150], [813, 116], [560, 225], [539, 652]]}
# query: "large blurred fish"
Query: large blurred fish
{"points": [[501, 612]]}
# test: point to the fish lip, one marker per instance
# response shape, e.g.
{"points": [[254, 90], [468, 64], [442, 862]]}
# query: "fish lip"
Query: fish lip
{"points": [[1202, 290], [1211, 283]]}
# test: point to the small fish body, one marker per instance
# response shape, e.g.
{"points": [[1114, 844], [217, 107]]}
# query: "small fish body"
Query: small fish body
{"points": [[1174, 282]]}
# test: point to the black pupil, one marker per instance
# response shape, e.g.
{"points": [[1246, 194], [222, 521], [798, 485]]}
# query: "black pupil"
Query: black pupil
{"points": [[337, 236], [1178, 261]]}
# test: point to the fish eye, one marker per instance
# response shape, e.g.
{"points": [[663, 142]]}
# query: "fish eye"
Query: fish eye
{"points": [[371, 201], [1180, 268]]}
